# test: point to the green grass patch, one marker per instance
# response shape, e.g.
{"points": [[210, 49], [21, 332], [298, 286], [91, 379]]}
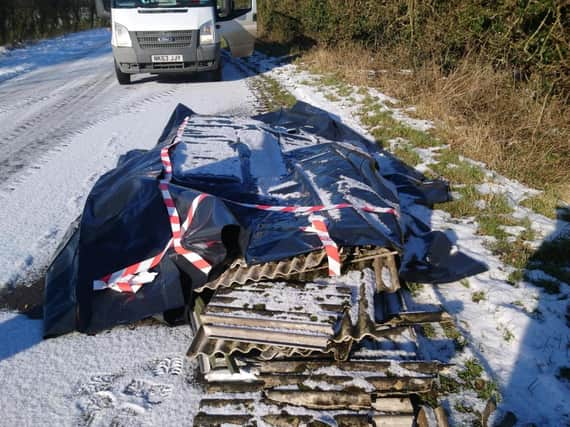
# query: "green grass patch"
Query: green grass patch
{"points": [[445, 386], [471, 372], [516, 253], [428, 331], [508, 336], [399, 130], [529, 233], [498, 204], [331, 97], [471, 375], [385, 127], [448, 385], [487, 390], [465, 283], [369, 102], [463, 205], [331, 80], [344, 91], [545, 203], [407, 154], [377, 118], [452, 333], [491, 225], [457, 171], [515, 276], [272, 95], [478, 296], [495, 215], [414, 288]]}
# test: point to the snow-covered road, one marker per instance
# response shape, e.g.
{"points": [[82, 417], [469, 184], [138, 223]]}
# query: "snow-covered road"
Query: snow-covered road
{"points": [[64, 120]]}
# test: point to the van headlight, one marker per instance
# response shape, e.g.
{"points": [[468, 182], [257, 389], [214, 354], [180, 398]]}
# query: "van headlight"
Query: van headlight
{"points": [[207, 33], [122, 36]]}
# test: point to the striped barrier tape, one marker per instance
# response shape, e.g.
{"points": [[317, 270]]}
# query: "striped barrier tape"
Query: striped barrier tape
{"points": [[131, 279], [319, 208], [319, 227]]}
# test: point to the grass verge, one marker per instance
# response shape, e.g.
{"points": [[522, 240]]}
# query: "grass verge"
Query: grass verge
{"points": [[271, 94], [482, 112]]}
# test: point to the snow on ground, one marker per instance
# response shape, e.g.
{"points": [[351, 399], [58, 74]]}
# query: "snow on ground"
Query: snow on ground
{"points": [[519, 334], [69, 47], [130, 376], [64, 121]]}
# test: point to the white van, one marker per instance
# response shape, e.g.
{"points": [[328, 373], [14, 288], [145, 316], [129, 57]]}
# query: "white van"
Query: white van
{"points": [[177, 36]]}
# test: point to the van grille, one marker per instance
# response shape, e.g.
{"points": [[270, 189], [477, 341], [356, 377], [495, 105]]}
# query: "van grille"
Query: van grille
{"points": [[164, 39]]}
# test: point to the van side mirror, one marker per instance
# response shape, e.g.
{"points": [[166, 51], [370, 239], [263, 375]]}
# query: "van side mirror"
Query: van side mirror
{"points": [[225, 9], [103, 8]]}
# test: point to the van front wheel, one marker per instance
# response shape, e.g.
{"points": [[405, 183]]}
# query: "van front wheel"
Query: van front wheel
{"points": [[122, 78]]}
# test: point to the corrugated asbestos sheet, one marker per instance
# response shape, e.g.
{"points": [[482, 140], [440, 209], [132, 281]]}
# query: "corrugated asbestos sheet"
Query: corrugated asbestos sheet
{"points": [[307, 266], [275, 350]]}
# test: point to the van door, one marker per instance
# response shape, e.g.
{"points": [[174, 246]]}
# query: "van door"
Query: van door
{"points": [[237, 21]]}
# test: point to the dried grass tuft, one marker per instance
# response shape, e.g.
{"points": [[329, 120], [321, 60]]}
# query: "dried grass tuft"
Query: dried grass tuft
{"points": [[516, 127]]}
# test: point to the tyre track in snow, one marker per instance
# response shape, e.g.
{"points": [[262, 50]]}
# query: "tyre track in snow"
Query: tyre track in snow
{"points": [[45, 123], [27, 139], [45, 114]]}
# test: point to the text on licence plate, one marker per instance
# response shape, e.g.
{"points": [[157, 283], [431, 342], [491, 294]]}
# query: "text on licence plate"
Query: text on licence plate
{"points": [[167, 58]]}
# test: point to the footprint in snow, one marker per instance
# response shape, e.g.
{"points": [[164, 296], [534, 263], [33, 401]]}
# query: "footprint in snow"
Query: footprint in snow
{"points": [[150, 392], [98, 383], [169, 366], [122, 399]]}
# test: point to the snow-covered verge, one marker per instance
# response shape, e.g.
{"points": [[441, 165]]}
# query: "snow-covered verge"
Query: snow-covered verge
{"points": [[69, 47], [511, 341]]}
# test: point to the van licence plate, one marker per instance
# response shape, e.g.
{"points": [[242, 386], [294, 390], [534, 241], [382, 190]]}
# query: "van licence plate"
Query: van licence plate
{"points": [[167, 58]]}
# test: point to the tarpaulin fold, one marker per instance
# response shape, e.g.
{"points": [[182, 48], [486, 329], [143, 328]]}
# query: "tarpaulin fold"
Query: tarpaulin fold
{"points": [[298, 157]]}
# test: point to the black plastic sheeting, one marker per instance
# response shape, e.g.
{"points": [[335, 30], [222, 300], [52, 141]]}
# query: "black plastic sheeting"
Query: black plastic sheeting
{"points": [[318, 161]]}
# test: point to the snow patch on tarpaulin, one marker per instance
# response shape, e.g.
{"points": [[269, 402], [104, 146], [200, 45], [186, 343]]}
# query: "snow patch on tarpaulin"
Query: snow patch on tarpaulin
{"points": [[300, 157]]}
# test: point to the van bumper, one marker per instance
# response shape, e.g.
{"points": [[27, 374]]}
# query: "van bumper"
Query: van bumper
{"points": [[137, 59]]}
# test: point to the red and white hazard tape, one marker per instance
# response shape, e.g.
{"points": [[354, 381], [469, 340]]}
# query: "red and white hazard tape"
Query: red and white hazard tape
{"points": [[131, 279], [319, 227], [319, 208]]}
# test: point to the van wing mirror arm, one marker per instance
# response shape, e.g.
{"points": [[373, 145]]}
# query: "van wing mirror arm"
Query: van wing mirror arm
{"points": [[102, 11], [227, 10]]}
